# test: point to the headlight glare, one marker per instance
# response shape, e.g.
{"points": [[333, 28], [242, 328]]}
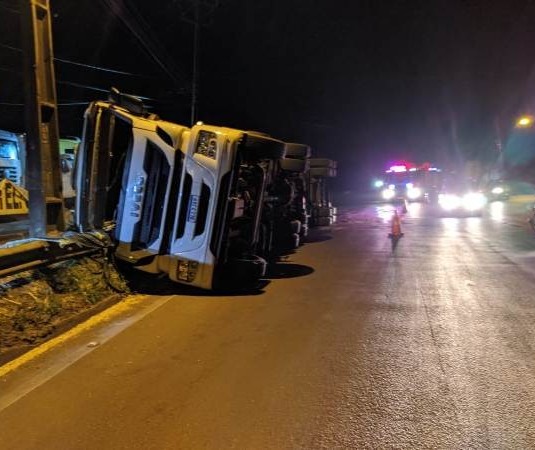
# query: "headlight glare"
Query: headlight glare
{"points": [[388, 194], [474, 200], [413, 193], [449, 201]]}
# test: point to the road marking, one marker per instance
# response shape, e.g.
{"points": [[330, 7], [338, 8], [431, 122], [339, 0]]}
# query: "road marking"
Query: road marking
{"points": [[61, 361]]}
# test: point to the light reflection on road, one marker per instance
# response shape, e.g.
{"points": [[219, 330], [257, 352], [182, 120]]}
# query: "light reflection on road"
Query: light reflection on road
{"points": [[496, 211], [385, 212], [473, 224], [451, 225], [415, 210]]}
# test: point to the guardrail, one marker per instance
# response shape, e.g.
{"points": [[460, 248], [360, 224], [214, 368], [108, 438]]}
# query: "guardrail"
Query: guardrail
{"points": [[25, 254]]}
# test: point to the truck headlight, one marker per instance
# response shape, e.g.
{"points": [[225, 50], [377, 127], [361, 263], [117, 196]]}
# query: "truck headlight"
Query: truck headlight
{"points": [[207, 144], [449, 201], [378, 184], [186, 270], [413, 193], [388, 194], [497, 190]]}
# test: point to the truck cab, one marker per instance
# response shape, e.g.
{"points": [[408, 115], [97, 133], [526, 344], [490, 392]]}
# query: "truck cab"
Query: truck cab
{"points": [[217, 234], [10, 157]]}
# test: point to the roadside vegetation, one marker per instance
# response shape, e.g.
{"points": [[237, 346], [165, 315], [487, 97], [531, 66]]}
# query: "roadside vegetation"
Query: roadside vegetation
{"points": [[34, 304]]}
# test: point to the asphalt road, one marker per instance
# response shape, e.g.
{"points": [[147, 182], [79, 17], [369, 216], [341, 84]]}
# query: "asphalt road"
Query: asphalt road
{"points": [[349, 345]]}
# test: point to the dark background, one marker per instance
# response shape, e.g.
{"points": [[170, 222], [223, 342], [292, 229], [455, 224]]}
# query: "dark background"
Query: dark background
{"points": [[364, 82]]}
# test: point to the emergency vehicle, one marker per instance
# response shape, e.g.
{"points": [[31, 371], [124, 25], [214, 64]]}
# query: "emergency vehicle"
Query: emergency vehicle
{"points": [[407, 181]]}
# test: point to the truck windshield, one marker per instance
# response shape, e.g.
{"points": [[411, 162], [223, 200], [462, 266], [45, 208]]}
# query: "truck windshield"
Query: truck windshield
{"points": [[8, 149]]}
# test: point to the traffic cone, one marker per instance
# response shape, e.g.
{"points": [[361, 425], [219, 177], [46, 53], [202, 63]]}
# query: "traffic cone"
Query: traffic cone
{"points": [[396, 226]]}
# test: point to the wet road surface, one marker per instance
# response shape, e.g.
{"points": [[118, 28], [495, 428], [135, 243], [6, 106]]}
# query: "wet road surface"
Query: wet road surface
{"points": [[350, 345]]}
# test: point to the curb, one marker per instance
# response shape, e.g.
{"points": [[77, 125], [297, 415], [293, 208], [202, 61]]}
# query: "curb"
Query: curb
{"points": [[61, 327]]}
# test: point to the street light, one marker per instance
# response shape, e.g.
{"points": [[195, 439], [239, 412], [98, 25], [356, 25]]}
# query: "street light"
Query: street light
{"points": [[524, 122]]}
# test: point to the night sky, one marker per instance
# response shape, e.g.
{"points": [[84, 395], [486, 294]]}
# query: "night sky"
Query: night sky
{"points": [[365, 82]]}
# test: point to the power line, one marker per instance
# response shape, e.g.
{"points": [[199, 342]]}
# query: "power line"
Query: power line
{"points": [[9, 8], [78, 85], [59, 104], [10, 47], [103, 69], [135, 23], [80, 64]]}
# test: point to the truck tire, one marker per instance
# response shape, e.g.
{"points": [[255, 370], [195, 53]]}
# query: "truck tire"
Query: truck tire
{"points": [[324, 172], [249, 267], [323, 211], [324, 221], [323, 162], [294, 165], [300, 151], [256, 147]]}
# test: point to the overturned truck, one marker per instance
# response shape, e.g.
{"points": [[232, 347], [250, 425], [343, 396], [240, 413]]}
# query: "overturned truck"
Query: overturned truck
{"points": [[205, 205], [182, 201]]}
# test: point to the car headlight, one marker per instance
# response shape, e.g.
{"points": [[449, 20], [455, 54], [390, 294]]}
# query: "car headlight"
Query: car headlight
{"points": [[497, 190], [207, 144], [388, 194], [474, 200], [449, 201], [413, 193]]}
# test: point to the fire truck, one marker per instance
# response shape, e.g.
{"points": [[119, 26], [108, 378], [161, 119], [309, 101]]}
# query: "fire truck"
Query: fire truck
{"points": [[411, 182]]}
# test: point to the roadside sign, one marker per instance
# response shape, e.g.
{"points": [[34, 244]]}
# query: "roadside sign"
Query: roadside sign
{"points": [[13, 199]]}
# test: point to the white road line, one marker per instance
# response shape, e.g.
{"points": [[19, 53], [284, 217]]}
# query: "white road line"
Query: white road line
{"points": [[104, 326]]}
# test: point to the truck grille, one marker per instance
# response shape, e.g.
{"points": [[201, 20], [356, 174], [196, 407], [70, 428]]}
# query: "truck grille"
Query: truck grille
{"points": [[148, 229]]}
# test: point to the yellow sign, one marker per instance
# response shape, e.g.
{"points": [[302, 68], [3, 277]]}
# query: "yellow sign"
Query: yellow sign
{"points": [[13, 199]]}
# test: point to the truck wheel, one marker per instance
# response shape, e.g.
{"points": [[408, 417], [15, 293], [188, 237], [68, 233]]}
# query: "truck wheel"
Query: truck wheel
{"points": [[322, 172], [248, 267], [324, 221], [300, 151], [323, 211], [294, 165], [257, 147]]}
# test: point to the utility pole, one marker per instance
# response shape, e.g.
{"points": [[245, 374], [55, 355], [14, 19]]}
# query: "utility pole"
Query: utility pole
{"points": [[198, 13], [41, 116]]}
